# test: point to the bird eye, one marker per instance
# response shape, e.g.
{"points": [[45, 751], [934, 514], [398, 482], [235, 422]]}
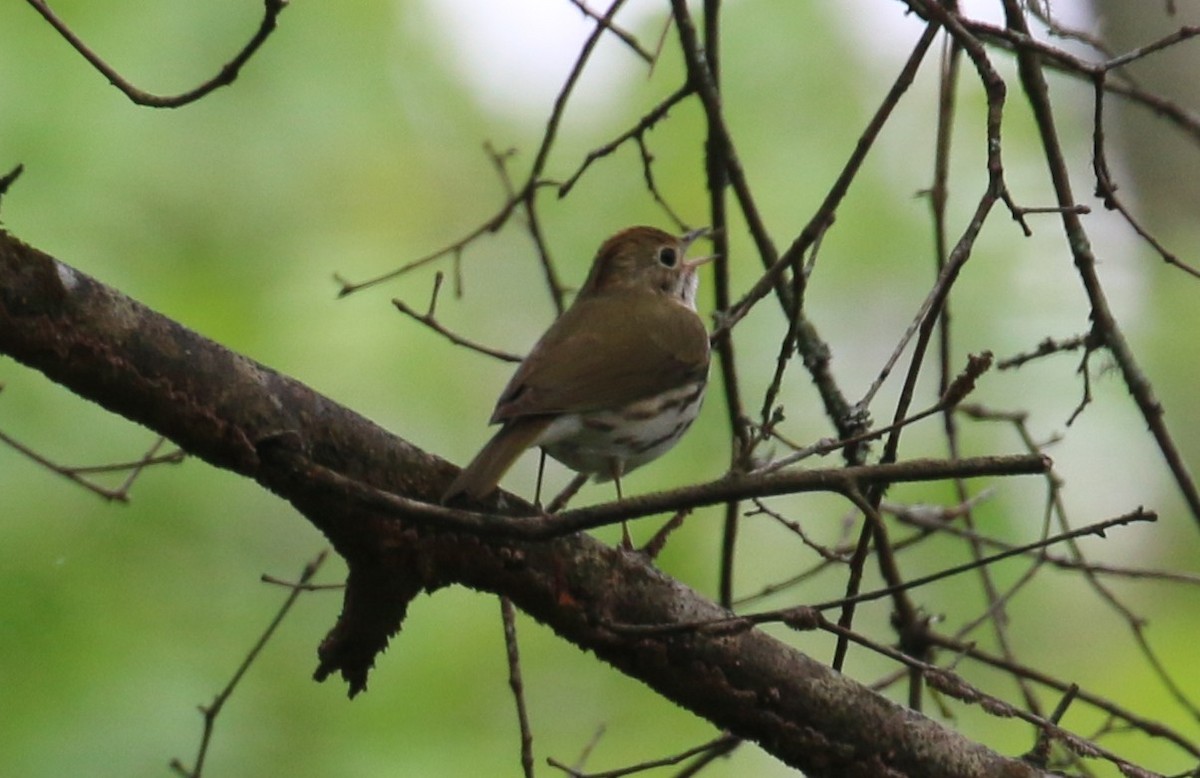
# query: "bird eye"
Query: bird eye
{"points": [[667, 256]]}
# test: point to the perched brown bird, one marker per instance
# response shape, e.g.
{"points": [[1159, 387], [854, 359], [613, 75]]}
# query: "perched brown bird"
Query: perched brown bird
{"points": [[617, 379]]}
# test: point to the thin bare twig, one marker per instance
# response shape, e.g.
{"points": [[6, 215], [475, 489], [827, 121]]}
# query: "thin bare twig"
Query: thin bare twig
{"points": [[718, 746], [545, 526], [508, 615], [793, 615], [213, 709], [608, 24], [227, 75], [429, 319], [636, 133], [76, 474]]}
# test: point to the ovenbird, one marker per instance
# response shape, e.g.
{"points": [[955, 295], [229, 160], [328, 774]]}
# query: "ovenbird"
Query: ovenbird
{"points": [[617, 379]]}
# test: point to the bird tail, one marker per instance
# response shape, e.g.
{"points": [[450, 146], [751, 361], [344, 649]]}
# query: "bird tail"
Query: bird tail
{"points": [[478, 479]]}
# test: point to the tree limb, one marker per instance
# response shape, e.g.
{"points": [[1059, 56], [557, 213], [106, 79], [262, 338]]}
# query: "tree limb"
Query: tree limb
{"points": [[242, 416]]}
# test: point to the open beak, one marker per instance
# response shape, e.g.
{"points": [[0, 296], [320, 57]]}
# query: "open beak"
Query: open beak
{"points": [[687, 239]]}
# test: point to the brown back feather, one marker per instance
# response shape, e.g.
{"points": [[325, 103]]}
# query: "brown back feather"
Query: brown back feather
{"points": [[607, 351]]}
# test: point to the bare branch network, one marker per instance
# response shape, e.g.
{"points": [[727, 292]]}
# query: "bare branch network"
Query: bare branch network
{"points": [[376, 496]]}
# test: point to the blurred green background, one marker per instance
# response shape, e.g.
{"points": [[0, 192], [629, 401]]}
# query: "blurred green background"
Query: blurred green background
{"points": [[351, 144]]}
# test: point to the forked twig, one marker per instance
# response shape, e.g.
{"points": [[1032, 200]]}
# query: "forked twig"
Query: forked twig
{"points": [[213, 709]]}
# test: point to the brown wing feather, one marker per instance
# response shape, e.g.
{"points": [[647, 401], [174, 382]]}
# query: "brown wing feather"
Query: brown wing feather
{"points": [[606, 351]]}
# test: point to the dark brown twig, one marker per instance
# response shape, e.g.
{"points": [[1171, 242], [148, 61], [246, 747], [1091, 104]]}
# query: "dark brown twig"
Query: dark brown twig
{"points": [[720, 745], [213, 709], [543, 527], [1151, 727], [76, 474], [228, 73], [636, 133], [429, 319], [1106, 188], [791, 614], [607, 23], [508, 615]]}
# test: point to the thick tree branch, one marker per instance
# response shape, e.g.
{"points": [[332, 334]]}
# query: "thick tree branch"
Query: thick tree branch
{"points": [[242, 416]]}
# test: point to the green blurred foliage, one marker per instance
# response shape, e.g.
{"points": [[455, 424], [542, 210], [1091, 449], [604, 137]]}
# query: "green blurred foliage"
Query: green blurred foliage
{"points": [[352, 144]]}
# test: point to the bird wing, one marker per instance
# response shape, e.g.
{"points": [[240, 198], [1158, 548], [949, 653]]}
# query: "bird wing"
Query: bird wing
{"points": [[607, 351]]}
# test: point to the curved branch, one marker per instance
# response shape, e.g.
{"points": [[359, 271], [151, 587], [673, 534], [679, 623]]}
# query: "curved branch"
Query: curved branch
{"points": [[226, 76]]}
